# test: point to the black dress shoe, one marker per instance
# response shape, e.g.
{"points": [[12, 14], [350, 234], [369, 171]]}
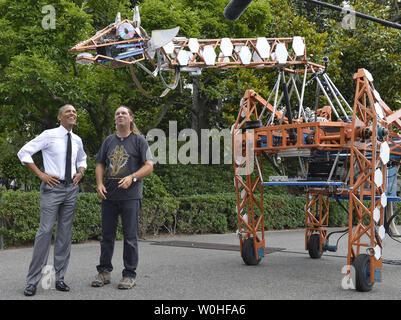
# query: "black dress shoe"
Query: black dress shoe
{"points": [[30, 290], [61, 286]]}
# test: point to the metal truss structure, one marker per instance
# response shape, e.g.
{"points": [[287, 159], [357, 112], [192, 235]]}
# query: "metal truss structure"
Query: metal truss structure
{"points": [[354, 157]]}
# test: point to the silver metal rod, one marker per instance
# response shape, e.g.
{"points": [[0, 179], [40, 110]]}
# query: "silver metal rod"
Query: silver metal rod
{"points": [[327, 96], [282, 94], [325, 76], [301, 107], [356, 13], [302, 166], [268, 100], [341, 96], [275, 101], [260, 172], [334, 165], [299, 98]]}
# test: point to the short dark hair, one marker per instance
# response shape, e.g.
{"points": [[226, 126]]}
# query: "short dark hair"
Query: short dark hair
{"points": [[61, 109]]}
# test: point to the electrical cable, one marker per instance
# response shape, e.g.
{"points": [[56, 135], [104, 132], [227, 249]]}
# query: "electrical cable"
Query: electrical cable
{"points": [[345, 231], [387, 226]]}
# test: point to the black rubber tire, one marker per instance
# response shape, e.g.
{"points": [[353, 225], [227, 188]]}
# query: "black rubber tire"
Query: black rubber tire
{"points": [[361, 265], [313, 246], [248, 253]]}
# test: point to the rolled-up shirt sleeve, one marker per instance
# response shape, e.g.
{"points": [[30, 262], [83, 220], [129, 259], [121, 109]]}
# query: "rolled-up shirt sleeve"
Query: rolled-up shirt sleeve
{"points": [[33, 146], [81, 156]]}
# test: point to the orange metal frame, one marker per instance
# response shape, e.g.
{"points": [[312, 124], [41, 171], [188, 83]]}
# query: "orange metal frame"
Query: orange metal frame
{"points": [[364, 155], [357, 137]]}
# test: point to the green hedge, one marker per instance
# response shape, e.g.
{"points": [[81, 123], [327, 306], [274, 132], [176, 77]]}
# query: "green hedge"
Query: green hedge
{"points": [[196, 179], [20, 212], [190, 214]]}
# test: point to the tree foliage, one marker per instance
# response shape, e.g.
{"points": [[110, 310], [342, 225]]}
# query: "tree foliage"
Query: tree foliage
{"points": [[38, 74]]}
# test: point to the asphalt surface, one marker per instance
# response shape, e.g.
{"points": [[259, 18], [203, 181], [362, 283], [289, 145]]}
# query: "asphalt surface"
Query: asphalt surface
{"points": [[208, 268]]}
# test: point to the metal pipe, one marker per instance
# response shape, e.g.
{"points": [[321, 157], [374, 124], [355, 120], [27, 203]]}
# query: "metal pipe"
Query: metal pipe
{"points": [[297, 93], [334, 166], [287, 100], [268, 100], [327, 97], [301, 107], [282, 94], [357, 14], [334, 94], [341, 96], [275, 100]]}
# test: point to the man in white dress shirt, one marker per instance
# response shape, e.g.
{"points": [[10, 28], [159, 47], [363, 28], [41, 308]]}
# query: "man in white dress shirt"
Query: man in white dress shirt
{"points": [[62, 153]]}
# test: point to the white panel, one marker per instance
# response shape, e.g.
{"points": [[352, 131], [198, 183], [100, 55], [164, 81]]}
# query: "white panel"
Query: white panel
{"points": [[243, 112], [378, 178], [245, 55], [193, 45], [298, 46], [263, 47], [378, 252], [376, 215], [379, 110], [169, 48], [383, 200], [209, 55], [281, 53], [368, 75], [256, 57], [226, 47], [384, 152], [377, 95], [183, 57]]}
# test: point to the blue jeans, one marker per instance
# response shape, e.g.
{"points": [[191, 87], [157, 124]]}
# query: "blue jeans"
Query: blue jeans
{"points": [[129, 211]]}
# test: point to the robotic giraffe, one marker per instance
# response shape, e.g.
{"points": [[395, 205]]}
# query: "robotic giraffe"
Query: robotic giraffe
{"points": [[344, 150]]}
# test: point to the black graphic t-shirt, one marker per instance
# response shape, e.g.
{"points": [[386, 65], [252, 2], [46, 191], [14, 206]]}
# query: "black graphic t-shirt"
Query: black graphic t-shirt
{"points": [[121, 158]]}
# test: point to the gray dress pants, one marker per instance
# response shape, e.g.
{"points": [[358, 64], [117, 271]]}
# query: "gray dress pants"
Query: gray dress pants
{"points": [[57, 204]]}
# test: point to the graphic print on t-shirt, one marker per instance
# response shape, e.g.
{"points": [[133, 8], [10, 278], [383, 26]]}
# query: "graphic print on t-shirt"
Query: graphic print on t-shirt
{"points": [[118, 160]]}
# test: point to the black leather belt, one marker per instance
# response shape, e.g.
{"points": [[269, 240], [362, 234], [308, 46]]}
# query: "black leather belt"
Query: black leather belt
{"points": [[65, 182]]}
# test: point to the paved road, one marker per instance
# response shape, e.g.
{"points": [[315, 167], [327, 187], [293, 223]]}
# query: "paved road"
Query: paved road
{"points": [[190, 273]]}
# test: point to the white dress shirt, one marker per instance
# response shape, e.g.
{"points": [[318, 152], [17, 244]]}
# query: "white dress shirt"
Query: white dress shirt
{"points": [[53, 144]]}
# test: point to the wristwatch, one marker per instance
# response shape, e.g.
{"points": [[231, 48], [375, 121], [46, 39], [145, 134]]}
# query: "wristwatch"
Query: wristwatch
{"points": [[134, 179], [81, 172]]}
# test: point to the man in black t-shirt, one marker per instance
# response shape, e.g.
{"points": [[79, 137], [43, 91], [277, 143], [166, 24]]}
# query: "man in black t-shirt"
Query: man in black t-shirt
{"points": [[124, 159]]}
